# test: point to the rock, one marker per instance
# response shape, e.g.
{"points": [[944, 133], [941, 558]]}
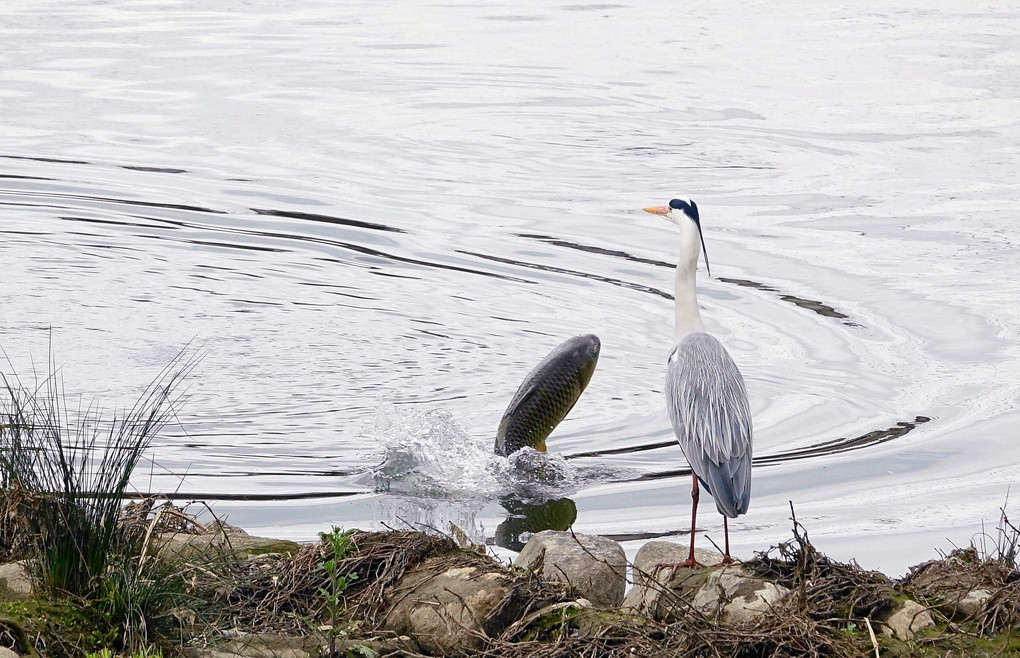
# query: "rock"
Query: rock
{"points": [[906, 620], [448, 608], [960, 584], [656, 553], [222, 539], [14, 582], [661, 589], [664, 591], [14, 634], [972, 604], [594, 567], [261, 645], [963, 604], [737, 596]]}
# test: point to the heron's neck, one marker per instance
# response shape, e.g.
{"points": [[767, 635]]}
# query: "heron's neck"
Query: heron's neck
{"points": [[688, 317]]}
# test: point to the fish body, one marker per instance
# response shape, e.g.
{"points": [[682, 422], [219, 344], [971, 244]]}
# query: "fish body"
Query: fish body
{"points": [[547, 395]]}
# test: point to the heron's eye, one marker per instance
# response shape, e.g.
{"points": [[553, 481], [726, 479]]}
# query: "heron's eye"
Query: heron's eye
{"points": [[678, 204]]}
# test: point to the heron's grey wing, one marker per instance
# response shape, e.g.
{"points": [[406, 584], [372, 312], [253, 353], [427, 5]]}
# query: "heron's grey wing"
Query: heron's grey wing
{"points": [[707, 404]]}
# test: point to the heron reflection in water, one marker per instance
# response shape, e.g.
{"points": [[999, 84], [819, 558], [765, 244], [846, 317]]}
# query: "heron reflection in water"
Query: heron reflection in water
{"points": [[705, 394]]}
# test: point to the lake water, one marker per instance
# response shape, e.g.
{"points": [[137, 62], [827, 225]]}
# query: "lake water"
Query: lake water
{"points": [[375, 218]]}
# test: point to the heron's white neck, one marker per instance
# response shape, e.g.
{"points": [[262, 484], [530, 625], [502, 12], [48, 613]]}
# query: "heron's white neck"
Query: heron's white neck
{"points": [[688, 317]]}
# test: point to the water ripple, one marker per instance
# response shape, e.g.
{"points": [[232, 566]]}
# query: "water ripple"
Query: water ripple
{"points": [[345, 213]]}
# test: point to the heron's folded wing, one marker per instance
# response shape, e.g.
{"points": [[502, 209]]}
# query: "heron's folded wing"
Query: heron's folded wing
{"points": [[707, 404]]}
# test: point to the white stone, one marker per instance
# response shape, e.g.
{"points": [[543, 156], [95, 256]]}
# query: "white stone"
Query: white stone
{"points": [[907, 620], [973, 603], [229, 541], [261, 645], [662, 590], [737, 596], [447, 611], [14, 582], [595, 567], [652, 557]]}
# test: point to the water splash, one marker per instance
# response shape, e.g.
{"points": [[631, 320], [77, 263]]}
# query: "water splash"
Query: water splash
{"points": [[427, 454], [533, 476]]}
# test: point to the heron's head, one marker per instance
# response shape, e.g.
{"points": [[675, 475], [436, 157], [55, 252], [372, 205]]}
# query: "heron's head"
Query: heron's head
{"points": [[683, 213]]}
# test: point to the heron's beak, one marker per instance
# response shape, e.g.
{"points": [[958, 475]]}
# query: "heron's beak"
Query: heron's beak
{"points": [[657, 210], [540, 447]]}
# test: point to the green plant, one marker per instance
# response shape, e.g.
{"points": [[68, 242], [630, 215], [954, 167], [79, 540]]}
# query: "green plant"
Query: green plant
{"points": [[144, 652], [147, 652], [339, 542], [60, 626], [143, 600], [102, 653], [80, 465]]}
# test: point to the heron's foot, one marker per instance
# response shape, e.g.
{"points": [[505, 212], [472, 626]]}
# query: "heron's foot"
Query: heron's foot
{"points": [[727, 560]]}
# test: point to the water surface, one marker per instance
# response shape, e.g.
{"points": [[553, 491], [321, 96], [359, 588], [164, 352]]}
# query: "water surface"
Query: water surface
{"points": [[376, 218]]}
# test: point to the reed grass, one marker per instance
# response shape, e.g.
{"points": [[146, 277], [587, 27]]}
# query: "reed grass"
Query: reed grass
{"points": [[80, 462]]}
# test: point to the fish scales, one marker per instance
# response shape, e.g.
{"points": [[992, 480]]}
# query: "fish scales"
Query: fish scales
{"points": [[547, 395]]}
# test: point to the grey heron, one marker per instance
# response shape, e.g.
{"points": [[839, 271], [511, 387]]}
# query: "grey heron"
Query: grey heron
{"points": [[705, 394]]}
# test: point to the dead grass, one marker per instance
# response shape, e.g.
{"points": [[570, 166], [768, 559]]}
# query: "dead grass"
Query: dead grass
{"points": [[17, 505], [816, 623], [282, 594], [576, 634], [823, 589], [829, 614], [989, 574]]}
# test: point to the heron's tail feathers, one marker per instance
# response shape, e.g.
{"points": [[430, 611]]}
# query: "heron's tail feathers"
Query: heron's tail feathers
{"points": [[730, 486]]}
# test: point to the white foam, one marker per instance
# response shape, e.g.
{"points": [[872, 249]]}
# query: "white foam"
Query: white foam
{"points": [[427, 454]]}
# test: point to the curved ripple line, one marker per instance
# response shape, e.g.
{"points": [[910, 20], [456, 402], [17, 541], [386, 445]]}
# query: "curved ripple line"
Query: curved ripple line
{"points": [[833, 447], [258, 233], [818, 307], [326, 219], [569, 272]]}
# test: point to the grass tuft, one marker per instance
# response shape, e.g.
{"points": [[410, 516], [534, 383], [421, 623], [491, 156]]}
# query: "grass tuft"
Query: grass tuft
{"points": [[81, 464], [145, 601]]}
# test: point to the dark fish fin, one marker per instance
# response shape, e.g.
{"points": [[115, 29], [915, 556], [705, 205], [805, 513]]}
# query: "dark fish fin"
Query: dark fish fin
{"points": [[501, 447]]}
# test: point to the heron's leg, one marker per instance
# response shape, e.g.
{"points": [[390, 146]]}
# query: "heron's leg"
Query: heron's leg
{"points": [[691, 562], [726, 533]]}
